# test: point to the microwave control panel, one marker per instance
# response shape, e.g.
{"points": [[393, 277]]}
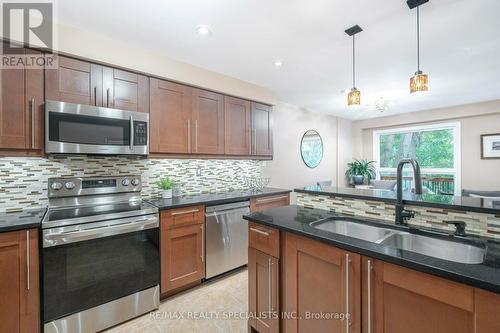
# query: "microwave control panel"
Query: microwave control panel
{"points": [[140, 133]]}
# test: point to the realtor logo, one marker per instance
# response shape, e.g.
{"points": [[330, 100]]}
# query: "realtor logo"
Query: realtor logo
{"points": [[28, 24]]}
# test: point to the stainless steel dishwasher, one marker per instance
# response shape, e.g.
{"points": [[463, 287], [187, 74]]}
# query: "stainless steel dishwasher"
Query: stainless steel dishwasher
{"points": [[226, 237]]}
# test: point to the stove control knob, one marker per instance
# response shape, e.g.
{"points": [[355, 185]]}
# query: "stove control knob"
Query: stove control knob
{"points": [[135, 181], [125, 182], [56, 186], [69, 185]]}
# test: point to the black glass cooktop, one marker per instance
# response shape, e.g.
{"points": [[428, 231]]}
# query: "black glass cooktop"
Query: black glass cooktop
{"points": [[57, 214]]}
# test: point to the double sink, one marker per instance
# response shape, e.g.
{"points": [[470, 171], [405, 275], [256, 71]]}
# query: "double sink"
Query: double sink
{"points": [[438, 247]]}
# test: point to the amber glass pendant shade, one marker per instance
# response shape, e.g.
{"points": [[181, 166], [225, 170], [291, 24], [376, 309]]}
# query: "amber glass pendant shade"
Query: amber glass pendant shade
{"points": [[419, 83], [354, 97]]}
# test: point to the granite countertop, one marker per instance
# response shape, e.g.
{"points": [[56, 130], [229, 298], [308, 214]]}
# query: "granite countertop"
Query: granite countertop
{"points": [[469, 204], [21, 220], [296, 219], [214, 198]]}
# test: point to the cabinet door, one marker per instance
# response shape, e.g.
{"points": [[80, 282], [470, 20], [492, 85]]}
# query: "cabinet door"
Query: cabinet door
{"points": [[19, 282], [208, 118], [34, 102], [237, 126], [182, 249], [487, 307], [14, 120], [320, 279], [125, 90], [170, 117], [262, 136], [404, 300], [263, 291], [74, 81]]}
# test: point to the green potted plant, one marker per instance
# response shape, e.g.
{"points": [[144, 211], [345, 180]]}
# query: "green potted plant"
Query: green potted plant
{"points": [[358, 170], [166, 184]]}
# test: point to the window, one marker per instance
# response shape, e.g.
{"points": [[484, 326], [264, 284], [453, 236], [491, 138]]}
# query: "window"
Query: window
{"points": [[436, 147]]}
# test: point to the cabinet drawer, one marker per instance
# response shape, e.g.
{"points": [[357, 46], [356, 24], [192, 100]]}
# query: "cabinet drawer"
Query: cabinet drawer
{"points": [[264, 239], [180, 217], [263, 203]]}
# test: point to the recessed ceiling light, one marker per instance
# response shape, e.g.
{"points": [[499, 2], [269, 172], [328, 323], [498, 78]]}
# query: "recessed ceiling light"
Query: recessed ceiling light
{"points": [[203, 30], [278, 63]]}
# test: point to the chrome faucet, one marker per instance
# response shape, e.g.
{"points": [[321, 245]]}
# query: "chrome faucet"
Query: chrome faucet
{"points": [[403, 215]]}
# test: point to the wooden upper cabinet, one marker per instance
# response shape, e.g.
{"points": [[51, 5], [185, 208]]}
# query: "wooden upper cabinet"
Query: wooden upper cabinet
{"points": [[237, 126], [319, 278], [74, 81], [208, 119], [19, 282], [262, 135], [171, 127], [404, 300], [21, 107], [125, 90]]}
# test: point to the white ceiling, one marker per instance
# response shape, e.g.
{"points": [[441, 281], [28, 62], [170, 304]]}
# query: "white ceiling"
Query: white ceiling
{"points": [[460, 46]]}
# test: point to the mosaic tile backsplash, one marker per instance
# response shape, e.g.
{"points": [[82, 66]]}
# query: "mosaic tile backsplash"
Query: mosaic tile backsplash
{"points": [[23, 180], [487, 225]]}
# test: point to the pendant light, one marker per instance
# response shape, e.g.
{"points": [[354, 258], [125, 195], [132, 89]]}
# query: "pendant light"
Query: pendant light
{"points": [[354, 96], [419, 82]]}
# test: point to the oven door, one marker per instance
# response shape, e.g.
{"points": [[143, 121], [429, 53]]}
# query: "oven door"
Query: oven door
{"points": [[83, 129], [94, 263]]}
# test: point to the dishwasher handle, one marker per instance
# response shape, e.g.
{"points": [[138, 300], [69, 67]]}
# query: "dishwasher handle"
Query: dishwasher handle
{"points": [[244, 210]]}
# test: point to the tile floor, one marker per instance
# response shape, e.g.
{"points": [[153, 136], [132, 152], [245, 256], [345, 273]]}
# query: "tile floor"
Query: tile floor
{"points": [[213, 303]]}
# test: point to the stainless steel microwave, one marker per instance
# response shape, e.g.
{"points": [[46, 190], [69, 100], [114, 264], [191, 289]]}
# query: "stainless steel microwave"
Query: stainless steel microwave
{"points": [[84, 129]]}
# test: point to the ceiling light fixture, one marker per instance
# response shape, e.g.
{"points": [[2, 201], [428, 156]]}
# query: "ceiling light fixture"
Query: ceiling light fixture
{"points": [[354, 96], [203, 30], [278, 63], [419, 82]]}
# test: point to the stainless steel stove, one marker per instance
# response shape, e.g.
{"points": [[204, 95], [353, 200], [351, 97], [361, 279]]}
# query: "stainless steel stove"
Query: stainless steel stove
{"points": [[100, 254]]}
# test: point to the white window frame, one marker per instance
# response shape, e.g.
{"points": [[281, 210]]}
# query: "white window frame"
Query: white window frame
{"points": [[456, 171]]}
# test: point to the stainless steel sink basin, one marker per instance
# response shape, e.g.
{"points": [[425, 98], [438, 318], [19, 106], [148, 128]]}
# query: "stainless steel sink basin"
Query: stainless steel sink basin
{"points": [[429, 246], [435, 247], [353, 229]]}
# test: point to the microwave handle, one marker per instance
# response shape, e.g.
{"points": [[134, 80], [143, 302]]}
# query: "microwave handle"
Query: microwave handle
{"points": [[131, 133]]}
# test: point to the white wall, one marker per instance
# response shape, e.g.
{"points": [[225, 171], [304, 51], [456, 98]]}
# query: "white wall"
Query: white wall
{"points": [[287, 170], [475, 119]]}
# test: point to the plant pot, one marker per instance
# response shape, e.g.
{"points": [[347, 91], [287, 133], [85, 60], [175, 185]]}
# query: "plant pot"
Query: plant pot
{"points": [[166, 194], [358, 180]]}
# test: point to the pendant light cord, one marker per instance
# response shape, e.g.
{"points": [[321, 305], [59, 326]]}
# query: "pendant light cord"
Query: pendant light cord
{"points": [[353, 61], [418, 38]]}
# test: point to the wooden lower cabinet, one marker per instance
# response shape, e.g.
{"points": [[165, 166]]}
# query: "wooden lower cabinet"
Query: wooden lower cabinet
{"points": [[487, 308], [182, 254], [263, 297], [268, 202], [19, 282], [404, 300], [320, 280]]}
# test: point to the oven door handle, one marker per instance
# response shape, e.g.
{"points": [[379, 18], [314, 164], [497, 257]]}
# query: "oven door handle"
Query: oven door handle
{"points": [[54, 238]]}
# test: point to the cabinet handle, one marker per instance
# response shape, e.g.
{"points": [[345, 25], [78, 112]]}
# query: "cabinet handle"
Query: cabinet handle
{"points": [[254, 141], [95, 96], [259, 232], [32, 104], [272, 199], [196, 135], [131, 133], [202, 244], [348, 319], [185, 212], [270, 286], [107, 97], [369, 300], [189, 135], [27, 259]]}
